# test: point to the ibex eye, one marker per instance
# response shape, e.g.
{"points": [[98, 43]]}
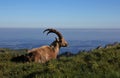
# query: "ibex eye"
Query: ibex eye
{"points": [[60, 41]]}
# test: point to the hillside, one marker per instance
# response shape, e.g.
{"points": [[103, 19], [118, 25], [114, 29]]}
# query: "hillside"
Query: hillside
{"points": [[97, 63]]}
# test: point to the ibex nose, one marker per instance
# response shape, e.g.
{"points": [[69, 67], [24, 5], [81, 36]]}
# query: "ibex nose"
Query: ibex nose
{"points": [[66, 44]]}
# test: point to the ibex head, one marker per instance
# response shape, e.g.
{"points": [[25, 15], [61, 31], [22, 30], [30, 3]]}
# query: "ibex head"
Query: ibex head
{"points": [[60, 40]]}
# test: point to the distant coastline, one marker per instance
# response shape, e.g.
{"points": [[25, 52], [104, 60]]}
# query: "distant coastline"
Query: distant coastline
{"points": [[78, 39]]}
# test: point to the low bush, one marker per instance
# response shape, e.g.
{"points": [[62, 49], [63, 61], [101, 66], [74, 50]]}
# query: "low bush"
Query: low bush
{"points": [[98, 63]]}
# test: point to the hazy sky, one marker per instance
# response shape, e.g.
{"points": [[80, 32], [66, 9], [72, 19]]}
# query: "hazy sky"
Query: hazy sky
{"points": [[60, 13]]}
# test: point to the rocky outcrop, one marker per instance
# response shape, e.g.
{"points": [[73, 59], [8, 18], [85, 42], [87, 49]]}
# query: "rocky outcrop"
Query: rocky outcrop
{"points": [[2, 51], [66, 54]]}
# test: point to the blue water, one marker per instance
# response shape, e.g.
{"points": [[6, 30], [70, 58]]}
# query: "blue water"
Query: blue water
{"points": [[78, 39]]}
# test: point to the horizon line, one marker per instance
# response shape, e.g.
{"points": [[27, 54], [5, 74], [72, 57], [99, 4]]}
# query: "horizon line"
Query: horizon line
{"points": [[53, 27]]}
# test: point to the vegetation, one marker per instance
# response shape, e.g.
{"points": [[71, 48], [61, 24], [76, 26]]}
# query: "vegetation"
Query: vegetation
{"points": [[97, 63]]}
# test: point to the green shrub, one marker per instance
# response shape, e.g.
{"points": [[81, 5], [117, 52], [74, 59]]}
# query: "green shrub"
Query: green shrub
{"points": [[99, 63]]}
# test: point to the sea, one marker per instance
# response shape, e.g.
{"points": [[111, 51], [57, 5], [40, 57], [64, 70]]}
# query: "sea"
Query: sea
{"points": [[78, 39]]}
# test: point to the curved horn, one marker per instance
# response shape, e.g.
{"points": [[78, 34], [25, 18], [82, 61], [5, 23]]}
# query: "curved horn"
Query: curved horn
{"points": [[54, 31]]}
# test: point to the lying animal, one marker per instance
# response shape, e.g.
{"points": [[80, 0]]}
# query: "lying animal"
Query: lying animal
{"points": [[47, 52]]}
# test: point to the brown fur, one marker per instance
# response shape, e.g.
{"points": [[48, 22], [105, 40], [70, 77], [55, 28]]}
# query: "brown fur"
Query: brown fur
{"points": [[42, 54], [46, 53]]}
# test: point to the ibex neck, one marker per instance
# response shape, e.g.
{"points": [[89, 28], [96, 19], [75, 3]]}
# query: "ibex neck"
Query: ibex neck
{"points": [[55, 48]]}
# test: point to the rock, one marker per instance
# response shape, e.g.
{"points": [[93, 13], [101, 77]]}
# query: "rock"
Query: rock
{"points": [[2, 51], [109, 46], [116, 43], [99, 47], [112, 45], [67, 54]]}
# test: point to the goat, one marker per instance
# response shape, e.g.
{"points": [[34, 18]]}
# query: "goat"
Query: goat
{"points": [[48, 52]]}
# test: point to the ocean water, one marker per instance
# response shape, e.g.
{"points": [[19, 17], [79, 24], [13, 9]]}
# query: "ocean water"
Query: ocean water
{"points": [[78, 39]]}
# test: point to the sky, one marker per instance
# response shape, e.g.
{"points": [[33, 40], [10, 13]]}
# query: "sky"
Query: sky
{"points": [[60, 13]]}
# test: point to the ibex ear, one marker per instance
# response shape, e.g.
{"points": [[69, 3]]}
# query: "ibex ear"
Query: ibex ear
{"points": [[56, 39]]}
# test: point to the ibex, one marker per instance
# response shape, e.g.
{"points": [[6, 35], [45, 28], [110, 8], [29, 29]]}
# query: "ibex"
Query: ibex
{"points": [[48, 52]]}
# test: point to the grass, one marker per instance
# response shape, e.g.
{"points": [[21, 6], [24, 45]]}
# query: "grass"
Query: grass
{"points": [[98, 63]]}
